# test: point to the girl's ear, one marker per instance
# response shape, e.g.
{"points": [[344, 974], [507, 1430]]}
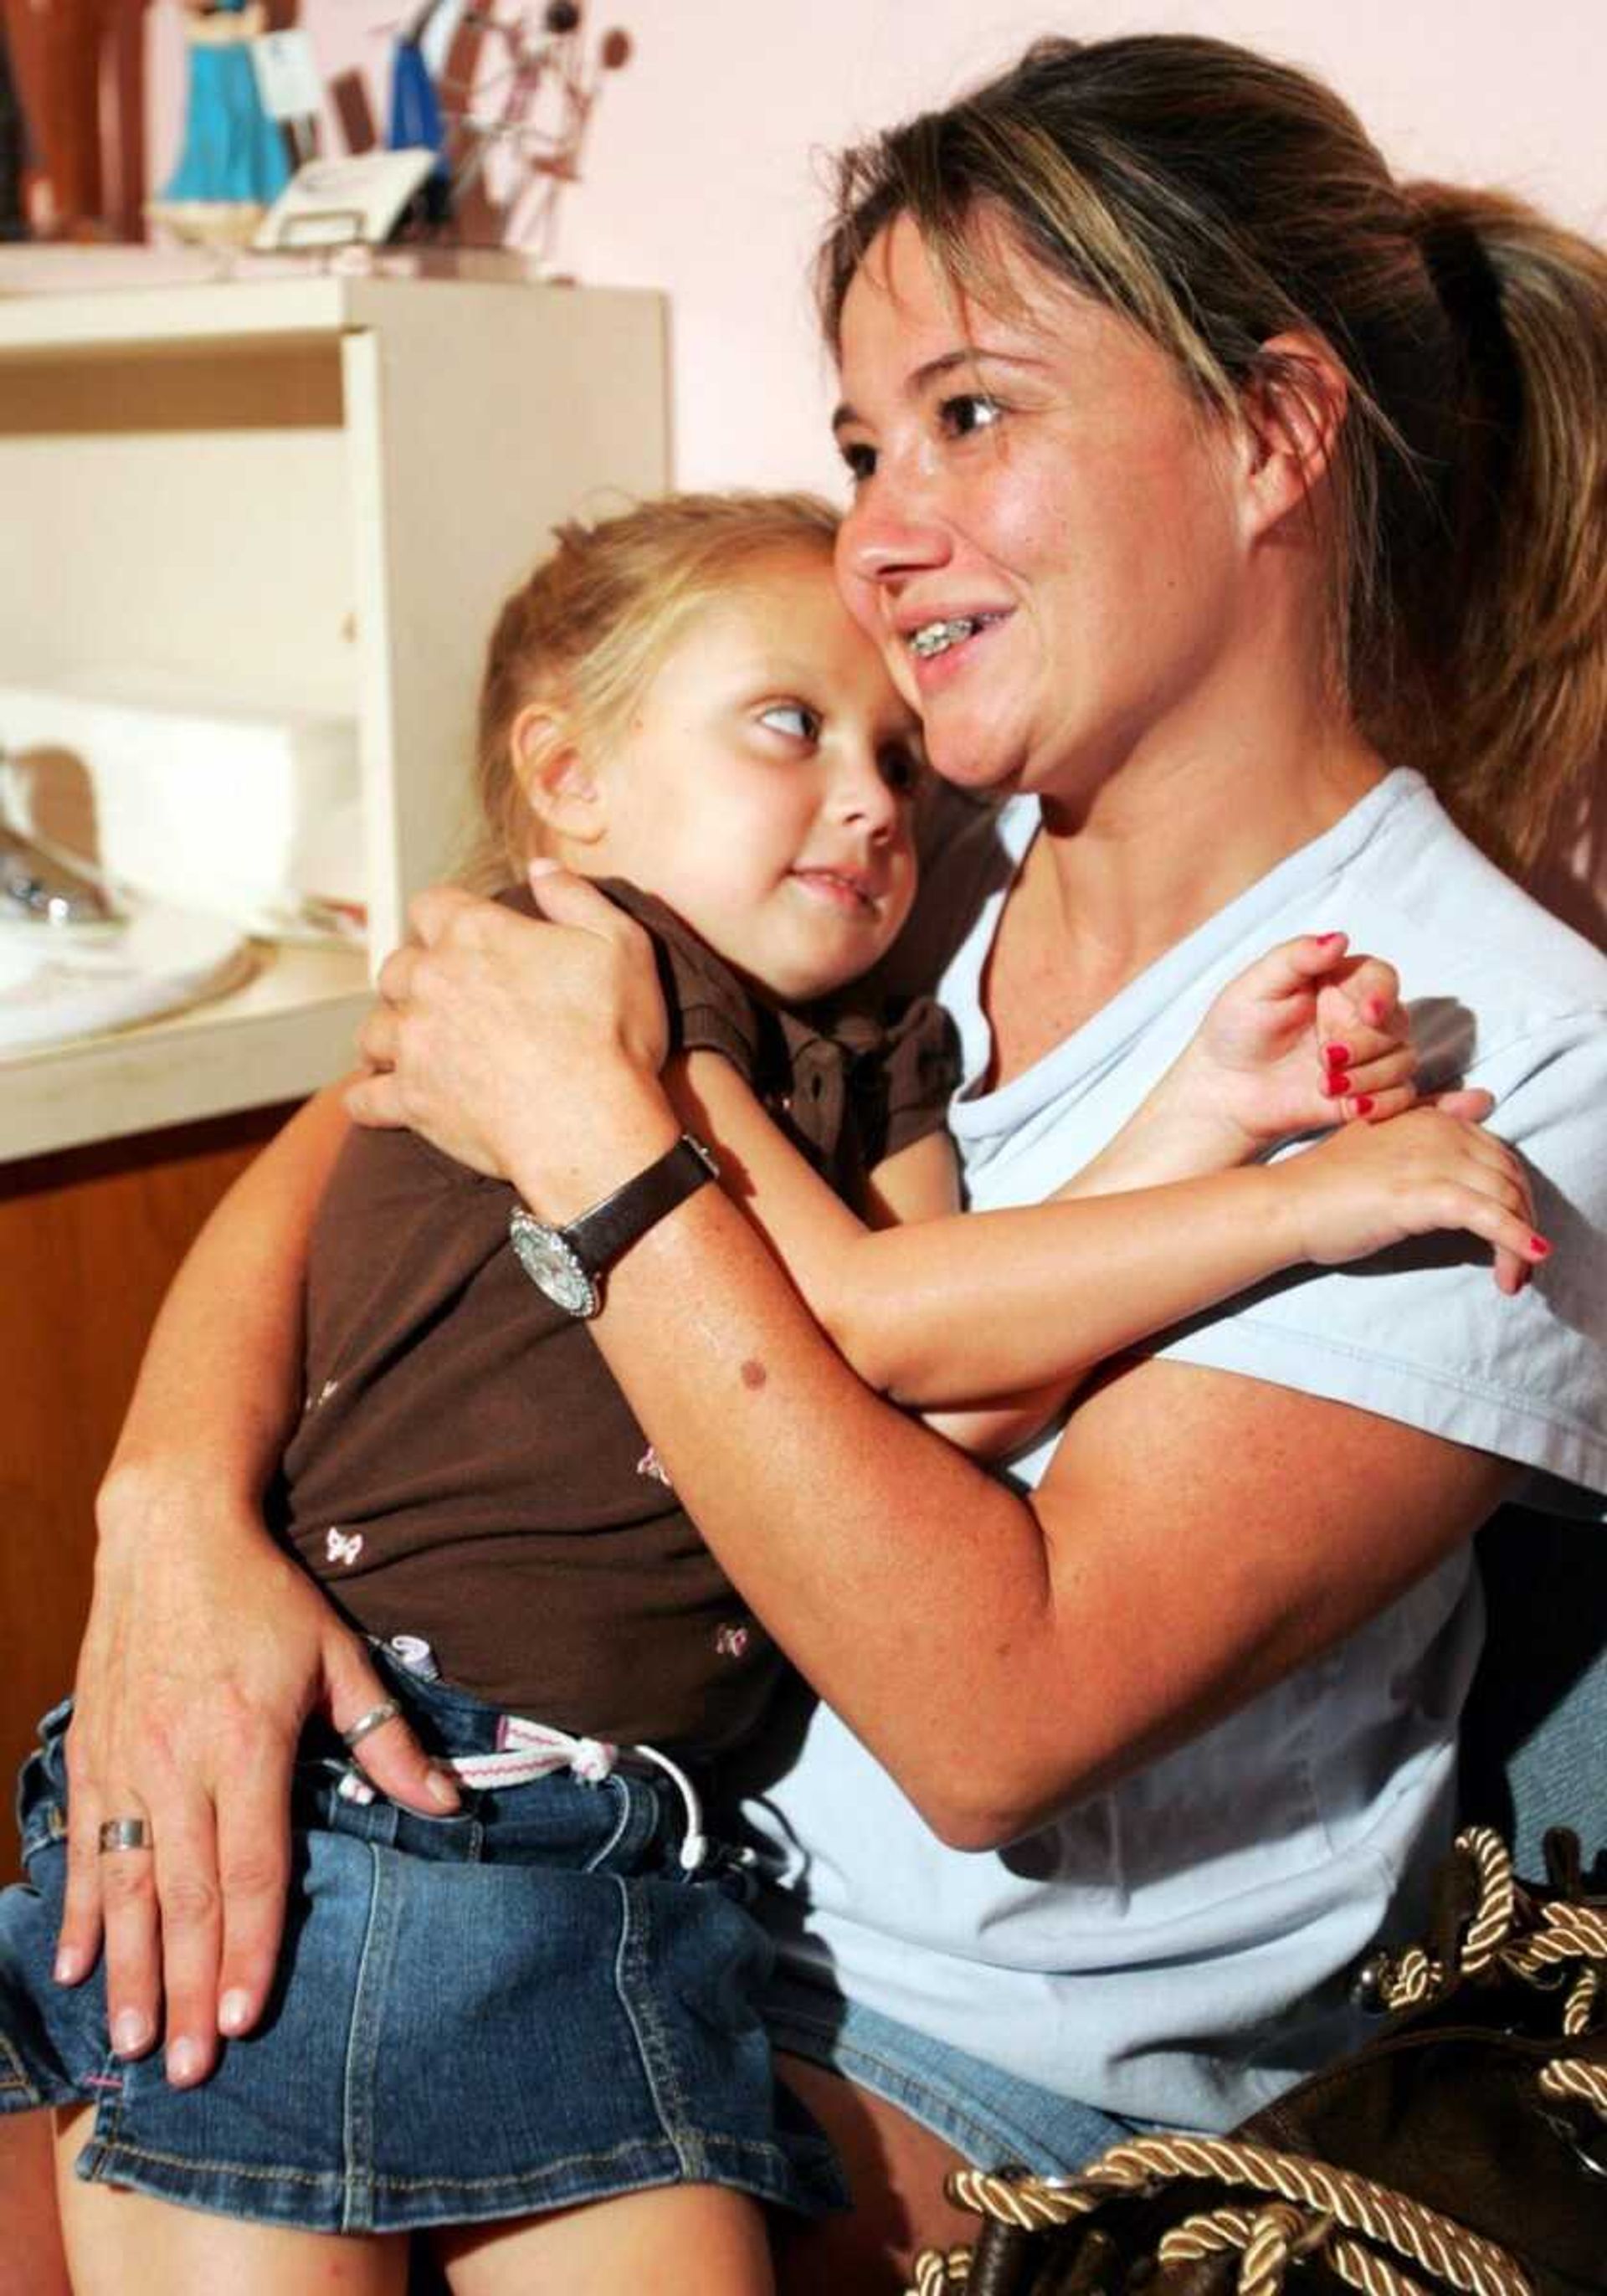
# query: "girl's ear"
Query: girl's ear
{"points": [[561, 789], [1294, 408]]}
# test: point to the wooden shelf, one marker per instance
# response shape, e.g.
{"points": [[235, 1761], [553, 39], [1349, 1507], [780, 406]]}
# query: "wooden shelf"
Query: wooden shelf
{"points": [[280, 1035], [312, 493]]}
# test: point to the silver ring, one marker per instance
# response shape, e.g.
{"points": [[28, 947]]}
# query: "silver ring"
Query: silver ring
{"points": [[375, 1718], [124, 1834]]}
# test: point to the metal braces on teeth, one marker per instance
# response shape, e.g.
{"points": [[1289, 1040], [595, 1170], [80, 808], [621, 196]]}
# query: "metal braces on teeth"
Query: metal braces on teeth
{"points": [[937, 636]]}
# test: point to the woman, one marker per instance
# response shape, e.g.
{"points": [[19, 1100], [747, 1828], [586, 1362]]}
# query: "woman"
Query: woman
{"points": [[1205, 482]]}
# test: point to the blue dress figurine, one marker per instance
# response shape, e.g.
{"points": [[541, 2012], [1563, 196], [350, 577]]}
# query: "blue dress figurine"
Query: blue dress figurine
{"points": [[233, 163]]}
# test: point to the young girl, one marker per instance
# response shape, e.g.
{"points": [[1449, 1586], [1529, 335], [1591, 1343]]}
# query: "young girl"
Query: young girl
{"points": [[678, 703]]}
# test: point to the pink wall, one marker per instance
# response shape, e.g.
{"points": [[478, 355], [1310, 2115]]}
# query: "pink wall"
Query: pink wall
{"points": [[704, 166]]}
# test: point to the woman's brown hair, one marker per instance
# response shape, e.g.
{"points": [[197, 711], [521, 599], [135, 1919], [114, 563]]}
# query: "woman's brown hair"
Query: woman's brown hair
{"points": [[1217, 200]]}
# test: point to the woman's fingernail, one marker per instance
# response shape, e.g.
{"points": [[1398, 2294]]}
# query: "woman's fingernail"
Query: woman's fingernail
{"points": [[1337, 1083], [1363, 1103], [234, 2010], [1375, 1010], [1338, 1056], [1327, 940], [69, 1967], [1539, 1247], [441, 1790], [185, 2059], [129, 2032], [542, 867]]}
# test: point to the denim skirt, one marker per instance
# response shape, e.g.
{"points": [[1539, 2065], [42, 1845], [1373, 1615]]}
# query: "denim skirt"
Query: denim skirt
{"points": [[519, 2007]]}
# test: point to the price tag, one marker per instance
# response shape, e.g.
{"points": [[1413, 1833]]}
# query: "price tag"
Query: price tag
{"points": [[287, 77]]}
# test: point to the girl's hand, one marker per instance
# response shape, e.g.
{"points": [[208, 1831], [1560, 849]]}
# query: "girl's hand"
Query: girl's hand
{"points": [[1367, 1187], [497, 1038], [1304, 1039], [1307, 1036]]}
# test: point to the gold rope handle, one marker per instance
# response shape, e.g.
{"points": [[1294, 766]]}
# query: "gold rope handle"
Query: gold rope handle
{"points": [[1360, 2268], [1579, 2011], [937, 2269], [1493, 1917], [1461, 2260], [1570, 2078], [1337, 2200]]}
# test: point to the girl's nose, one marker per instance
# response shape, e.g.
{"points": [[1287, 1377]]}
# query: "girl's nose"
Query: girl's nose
{"points": [[861, 795]]}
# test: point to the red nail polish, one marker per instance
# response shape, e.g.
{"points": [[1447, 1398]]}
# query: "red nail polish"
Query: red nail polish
{"points": [[1338, 1056], [1363, 1103], [1326, 939], [1377, 1011], [1338, 1084], [1538, 1246]]}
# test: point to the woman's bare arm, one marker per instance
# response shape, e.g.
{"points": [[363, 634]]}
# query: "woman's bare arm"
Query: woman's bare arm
{"points": [[1200, 1534], [207, 1647]]}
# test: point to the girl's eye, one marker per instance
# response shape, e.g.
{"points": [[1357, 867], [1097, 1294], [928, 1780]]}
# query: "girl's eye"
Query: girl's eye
{"points": [[795, 718], [969, 411], [901, 769], [861, 462]]}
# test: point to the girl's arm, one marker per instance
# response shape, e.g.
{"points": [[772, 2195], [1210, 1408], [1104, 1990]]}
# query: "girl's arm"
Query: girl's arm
{"points": [[206, 1646], [982, 1305], [922, 1182], [1199, 1534]]}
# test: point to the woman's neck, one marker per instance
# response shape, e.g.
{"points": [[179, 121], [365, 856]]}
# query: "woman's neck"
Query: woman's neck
{"points": [[1116, 879]]}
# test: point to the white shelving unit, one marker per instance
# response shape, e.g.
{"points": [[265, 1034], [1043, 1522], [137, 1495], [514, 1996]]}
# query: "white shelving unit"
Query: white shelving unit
{"points": [[305, 494]]}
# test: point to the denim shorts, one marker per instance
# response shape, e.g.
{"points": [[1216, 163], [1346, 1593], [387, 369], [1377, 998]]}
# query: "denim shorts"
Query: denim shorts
{"points": [[513, 2009], [991, 2118]]}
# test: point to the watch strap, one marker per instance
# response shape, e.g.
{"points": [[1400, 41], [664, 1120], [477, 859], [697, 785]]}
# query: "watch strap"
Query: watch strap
{"points": [[599, 1237]]}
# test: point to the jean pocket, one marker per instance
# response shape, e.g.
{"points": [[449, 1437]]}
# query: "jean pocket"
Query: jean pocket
{"points": [[42, 1785]]}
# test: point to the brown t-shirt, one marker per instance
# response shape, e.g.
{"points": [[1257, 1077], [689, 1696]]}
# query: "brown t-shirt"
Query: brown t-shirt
{"points": [[467, 1470]]}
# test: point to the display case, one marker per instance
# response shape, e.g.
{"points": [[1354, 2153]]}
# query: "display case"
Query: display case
{"points": [[305, 494]]}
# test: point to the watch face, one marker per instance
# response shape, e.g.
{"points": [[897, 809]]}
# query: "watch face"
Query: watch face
{"points": [[551, 1266]]}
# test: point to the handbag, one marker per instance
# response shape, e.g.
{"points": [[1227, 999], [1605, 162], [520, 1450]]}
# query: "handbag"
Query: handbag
{"points": [[1464, 2147]]}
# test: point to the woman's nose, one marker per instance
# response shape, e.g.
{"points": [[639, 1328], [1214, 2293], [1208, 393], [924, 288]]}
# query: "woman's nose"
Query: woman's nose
{"points": [[879, 542]]}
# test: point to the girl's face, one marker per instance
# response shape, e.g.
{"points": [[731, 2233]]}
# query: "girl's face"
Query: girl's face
{"points": [[764, 785], [1045, 538]]}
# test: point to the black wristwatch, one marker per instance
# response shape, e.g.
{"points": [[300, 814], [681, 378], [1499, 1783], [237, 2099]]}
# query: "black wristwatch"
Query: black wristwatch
{"points": [[569, 1263]]}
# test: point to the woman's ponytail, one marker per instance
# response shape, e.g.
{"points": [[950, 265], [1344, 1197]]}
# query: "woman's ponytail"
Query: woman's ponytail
{"points": [[1513, 649]]}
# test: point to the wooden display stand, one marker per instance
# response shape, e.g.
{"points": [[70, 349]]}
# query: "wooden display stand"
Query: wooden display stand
{"points": [[309, 492]]}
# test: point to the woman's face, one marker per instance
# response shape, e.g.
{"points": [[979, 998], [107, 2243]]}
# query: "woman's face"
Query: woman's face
{"points": [[1044, 540]]}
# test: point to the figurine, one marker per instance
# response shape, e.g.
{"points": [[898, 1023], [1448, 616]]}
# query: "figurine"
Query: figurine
{"points": [[234, 163], [536, 105]]}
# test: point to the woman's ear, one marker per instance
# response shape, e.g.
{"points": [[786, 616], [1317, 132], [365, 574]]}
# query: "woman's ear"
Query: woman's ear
{"points": [[560, 788], [1294, 405]]}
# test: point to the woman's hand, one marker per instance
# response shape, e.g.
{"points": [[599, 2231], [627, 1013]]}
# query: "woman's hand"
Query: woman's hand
{"points": [[499, 1039], [203, 1658], [1367, 1187]]}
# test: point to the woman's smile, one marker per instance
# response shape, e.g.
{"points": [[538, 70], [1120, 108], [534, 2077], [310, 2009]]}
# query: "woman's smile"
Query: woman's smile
{"points": [[1041, 538]]}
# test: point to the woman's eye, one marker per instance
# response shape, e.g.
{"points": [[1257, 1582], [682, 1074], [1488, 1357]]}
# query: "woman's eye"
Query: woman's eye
{"points": [[795, 718], [861, 461], [969, 411]]}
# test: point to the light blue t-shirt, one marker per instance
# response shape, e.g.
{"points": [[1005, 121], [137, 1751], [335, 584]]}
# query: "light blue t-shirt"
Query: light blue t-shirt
{"points": [[1176, 1947]]}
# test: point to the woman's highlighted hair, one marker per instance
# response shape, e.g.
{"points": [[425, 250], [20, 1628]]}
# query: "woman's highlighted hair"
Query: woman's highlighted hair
{"points": [[1217, 199]]}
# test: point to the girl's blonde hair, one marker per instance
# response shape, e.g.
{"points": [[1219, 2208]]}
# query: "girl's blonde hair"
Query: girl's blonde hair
{"points": [[1217, 199], [587, 632]]}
